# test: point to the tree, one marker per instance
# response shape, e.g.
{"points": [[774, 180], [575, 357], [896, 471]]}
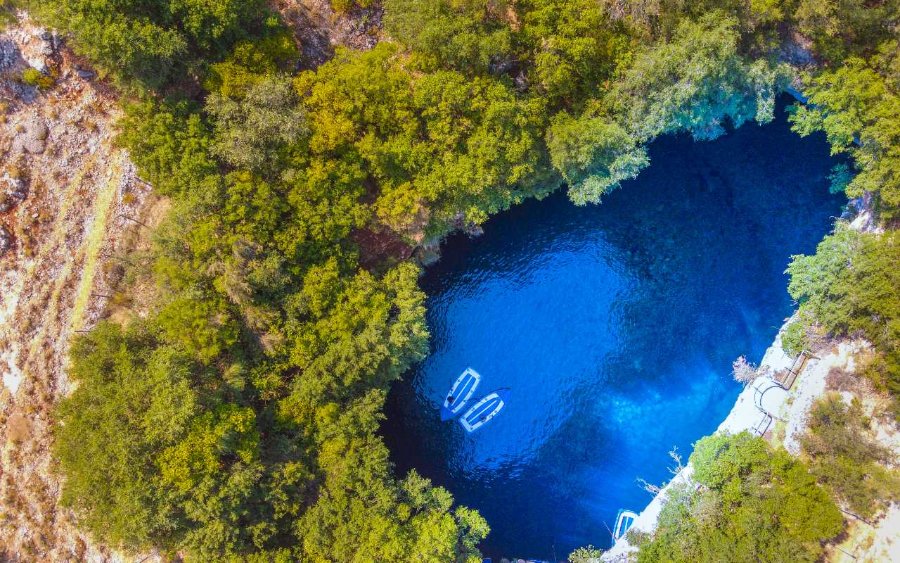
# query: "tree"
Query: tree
{"points": [[589, 554], [467, 35], [847, 458], [842, 27], [170, 144], [757, 503], [593, 155], [249, 131], [442, 149], [849, 286], [697, 82], [859, 111], [573, 47], [250, 62], [146, 42], [133, 400], [743, 371]]}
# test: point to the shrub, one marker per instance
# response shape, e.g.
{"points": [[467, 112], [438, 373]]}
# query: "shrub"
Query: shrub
{"points": [[849, 288], [589, 554], [36, 78], [846, 457], [794, 339], [757, 503], [743, 371]]}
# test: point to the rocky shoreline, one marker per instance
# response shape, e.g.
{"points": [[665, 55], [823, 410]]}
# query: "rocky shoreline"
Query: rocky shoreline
{"points": [[790, 418]]}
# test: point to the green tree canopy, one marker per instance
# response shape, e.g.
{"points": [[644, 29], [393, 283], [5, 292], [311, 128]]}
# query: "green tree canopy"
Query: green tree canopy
{"points": [[697, 82], [846, 27], [467, 35], [593, 154], [127, 405], [149, 41], [756, 504], [573, 47], [846, 457], [849, 286], [859, 111]]}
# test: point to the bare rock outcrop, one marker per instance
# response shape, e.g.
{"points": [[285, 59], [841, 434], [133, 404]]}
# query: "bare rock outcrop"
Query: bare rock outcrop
{"points": [[6, 241], [66, 190], [318, 29]]}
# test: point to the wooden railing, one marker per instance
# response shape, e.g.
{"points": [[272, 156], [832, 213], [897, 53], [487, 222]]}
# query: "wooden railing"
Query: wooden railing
{"points": [[787, 377]]}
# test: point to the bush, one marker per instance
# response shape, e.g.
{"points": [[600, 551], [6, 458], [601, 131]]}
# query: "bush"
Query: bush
{"points": [[36, 78], [151, 42], [849, 288], [846, 457], [756, 504], [589, 554], [794, 339]]}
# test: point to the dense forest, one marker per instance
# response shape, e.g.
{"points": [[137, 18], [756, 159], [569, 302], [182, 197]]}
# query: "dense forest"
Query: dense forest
{"points": [[237, 417]]}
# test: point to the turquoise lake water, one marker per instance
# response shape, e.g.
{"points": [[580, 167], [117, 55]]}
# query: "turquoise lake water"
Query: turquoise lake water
{"points": [[614, 326]]}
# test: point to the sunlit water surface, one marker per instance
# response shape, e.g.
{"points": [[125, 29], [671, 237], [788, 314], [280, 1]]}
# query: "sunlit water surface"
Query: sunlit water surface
{"points": [[615, 327]]}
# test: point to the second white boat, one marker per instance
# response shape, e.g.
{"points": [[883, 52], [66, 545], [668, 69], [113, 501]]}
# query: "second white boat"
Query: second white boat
{"points": [[484, 410]]}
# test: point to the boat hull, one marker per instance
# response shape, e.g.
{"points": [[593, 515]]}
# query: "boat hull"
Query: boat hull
{"points": [[460, 393], [484, 410]]}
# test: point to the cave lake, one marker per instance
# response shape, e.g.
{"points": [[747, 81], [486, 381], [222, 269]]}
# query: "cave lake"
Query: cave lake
{"points": [[614, 326]]}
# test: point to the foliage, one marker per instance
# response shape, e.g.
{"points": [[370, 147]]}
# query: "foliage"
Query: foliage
{"points": [[697, 83], [250, 62], [467, 35], [859, 111], [290, 347], [573, 47], [846, 27], [169, 144], [237, 419], [846, 457], [342, 6], [251, 129], [36, 78], [8, 10], [444, 149], [150, 41], [593, 155], [849, 286], [794, 338], [756, 504], [589, 554], [127, 405]]}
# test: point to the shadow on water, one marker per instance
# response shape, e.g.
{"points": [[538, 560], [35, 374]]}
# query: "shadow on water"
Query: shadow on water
{"points": [[614, 325]]}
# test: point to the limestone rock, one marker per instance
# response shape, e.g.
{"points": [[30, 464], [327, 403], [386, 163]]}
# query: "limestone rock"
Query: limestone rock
{"points": [[6, 240], [35, 136], [13, 191], [85, 74], [10, 56]]}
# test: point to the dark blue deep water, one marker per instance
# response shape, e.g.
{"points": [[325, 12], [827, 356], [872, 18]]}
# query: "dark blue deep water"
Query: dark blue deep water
{"points": [[615, 326]]}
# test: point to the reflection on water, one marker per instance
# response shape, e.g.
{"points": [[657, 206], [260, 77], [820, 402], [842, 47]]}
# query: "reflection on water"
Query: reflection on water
{"points": [[614, 325]]}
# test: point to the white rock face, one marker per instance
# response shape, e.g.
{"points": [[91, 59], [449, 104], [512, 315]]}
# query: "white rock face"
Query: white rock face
{"points": [[791, 407]]}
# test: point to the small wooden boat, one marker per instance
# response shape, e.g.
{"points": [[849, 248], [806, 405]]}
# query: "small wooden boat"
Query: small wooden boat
{"points": [[484, 410], [460, 393]]}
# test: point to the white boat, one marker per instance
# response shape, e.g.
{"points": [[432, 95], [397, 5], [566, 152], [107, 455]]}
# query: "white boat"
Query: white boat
{"points": [[460, 393], [624, 521], [484, 410]]}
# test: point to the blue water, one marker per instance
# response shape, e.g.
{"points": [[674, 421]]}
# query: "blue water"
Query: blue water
{"points": [[615, 327]]}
